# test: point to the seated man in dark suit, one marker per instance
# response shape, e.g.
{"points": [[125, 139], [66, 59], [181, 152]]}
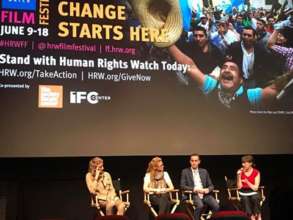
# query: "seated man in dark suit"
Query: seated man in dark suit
{"points": [[198, 180]]}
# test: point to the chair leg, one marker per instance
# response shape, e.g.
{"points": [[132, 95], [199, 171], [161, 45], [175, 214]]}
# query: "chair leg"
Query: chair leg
{"points": [[153, 211], [190, 213], [209, 215], [174, 208], [101, 212]]}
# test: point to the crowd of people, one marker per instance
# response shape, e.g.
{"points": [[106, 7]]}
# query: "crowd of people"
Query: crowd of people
{"points": [[259, 43], [157, 183]]}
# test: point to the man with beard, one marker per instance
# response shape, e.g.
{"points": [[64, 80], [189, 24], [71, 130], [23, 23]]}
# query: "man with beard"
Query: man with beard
{"points": [[207, 56], [229, 89], [262, 34], [256, 64], [199, 182]]}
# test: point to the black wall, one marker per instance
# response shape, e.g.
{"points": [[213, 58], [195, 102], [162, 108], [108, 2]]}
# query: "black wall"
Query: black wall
{"points": [[54, 188]]}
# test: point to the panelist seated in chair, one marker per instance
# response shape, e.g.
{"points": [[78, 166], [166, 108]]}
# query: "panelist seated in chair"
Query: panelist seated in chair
{"points": [[197, 180], [158, 184], [99, 184], [248, 180]]}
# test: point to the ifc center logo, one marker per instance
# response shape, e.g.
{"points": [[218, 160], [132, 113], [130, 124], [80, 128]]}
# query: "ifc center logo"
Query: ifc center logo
{"points": [[51, 96]]}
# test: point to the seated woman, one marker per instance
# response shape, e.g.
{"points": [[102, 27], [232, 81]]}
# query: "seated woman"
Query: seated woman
{"points": [[99, 183], [158, 184], [248, 180]]}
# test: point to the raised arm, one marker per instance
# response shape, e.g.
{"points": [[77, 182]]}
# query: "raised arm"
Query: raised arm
{"points": [[90, 183], [273, 38], [182, 58]]}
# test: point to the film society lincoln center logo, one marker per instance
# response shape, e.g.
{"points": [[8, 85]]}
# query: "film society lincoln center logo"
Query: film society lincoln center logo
{"points": [[50, 96], [19, 4]]}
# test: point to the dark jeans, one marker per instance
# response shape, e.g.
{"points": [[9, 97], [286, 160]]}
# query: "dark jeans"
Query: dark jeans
{"points": [[208, 200], [162, 201], [251, 204]]}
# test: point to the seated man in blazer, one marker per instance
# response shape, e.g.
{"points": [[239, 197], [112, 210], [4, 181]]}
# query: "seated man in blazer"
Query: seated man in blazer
{"points": [[198, 180]]}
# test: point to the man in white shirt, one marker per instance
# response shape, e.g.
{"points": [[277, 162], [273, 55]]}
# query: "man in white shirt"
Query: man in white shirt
{"points": [[257, 65], [224, 37], [198, 180]]}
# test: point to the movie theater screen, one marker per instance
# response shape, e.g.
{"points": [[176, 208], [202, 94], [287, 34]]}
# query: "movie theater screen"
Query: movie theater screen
{"points": [[83, 78]]}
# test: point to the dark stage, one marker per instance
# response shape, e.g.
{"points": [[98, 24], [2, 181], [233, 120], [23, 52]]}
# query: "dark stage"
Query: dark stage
{"points": [[54, 188]]}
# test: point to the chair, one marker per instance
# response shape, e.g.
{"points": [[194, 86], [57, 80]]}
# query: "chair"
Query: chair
{"points": [[174, 198], [123, 196], [233, 193], [190, 206]]}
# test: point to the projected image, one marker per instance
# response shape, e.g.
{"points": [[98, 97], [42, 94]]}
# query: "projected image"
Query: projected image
{"points": [[132, 77], [239, 51]]}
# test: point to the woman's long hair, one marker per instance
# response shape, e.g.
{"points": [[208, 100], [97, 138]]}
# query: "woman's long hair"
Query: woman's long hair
{"points": [[156, 175]]}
